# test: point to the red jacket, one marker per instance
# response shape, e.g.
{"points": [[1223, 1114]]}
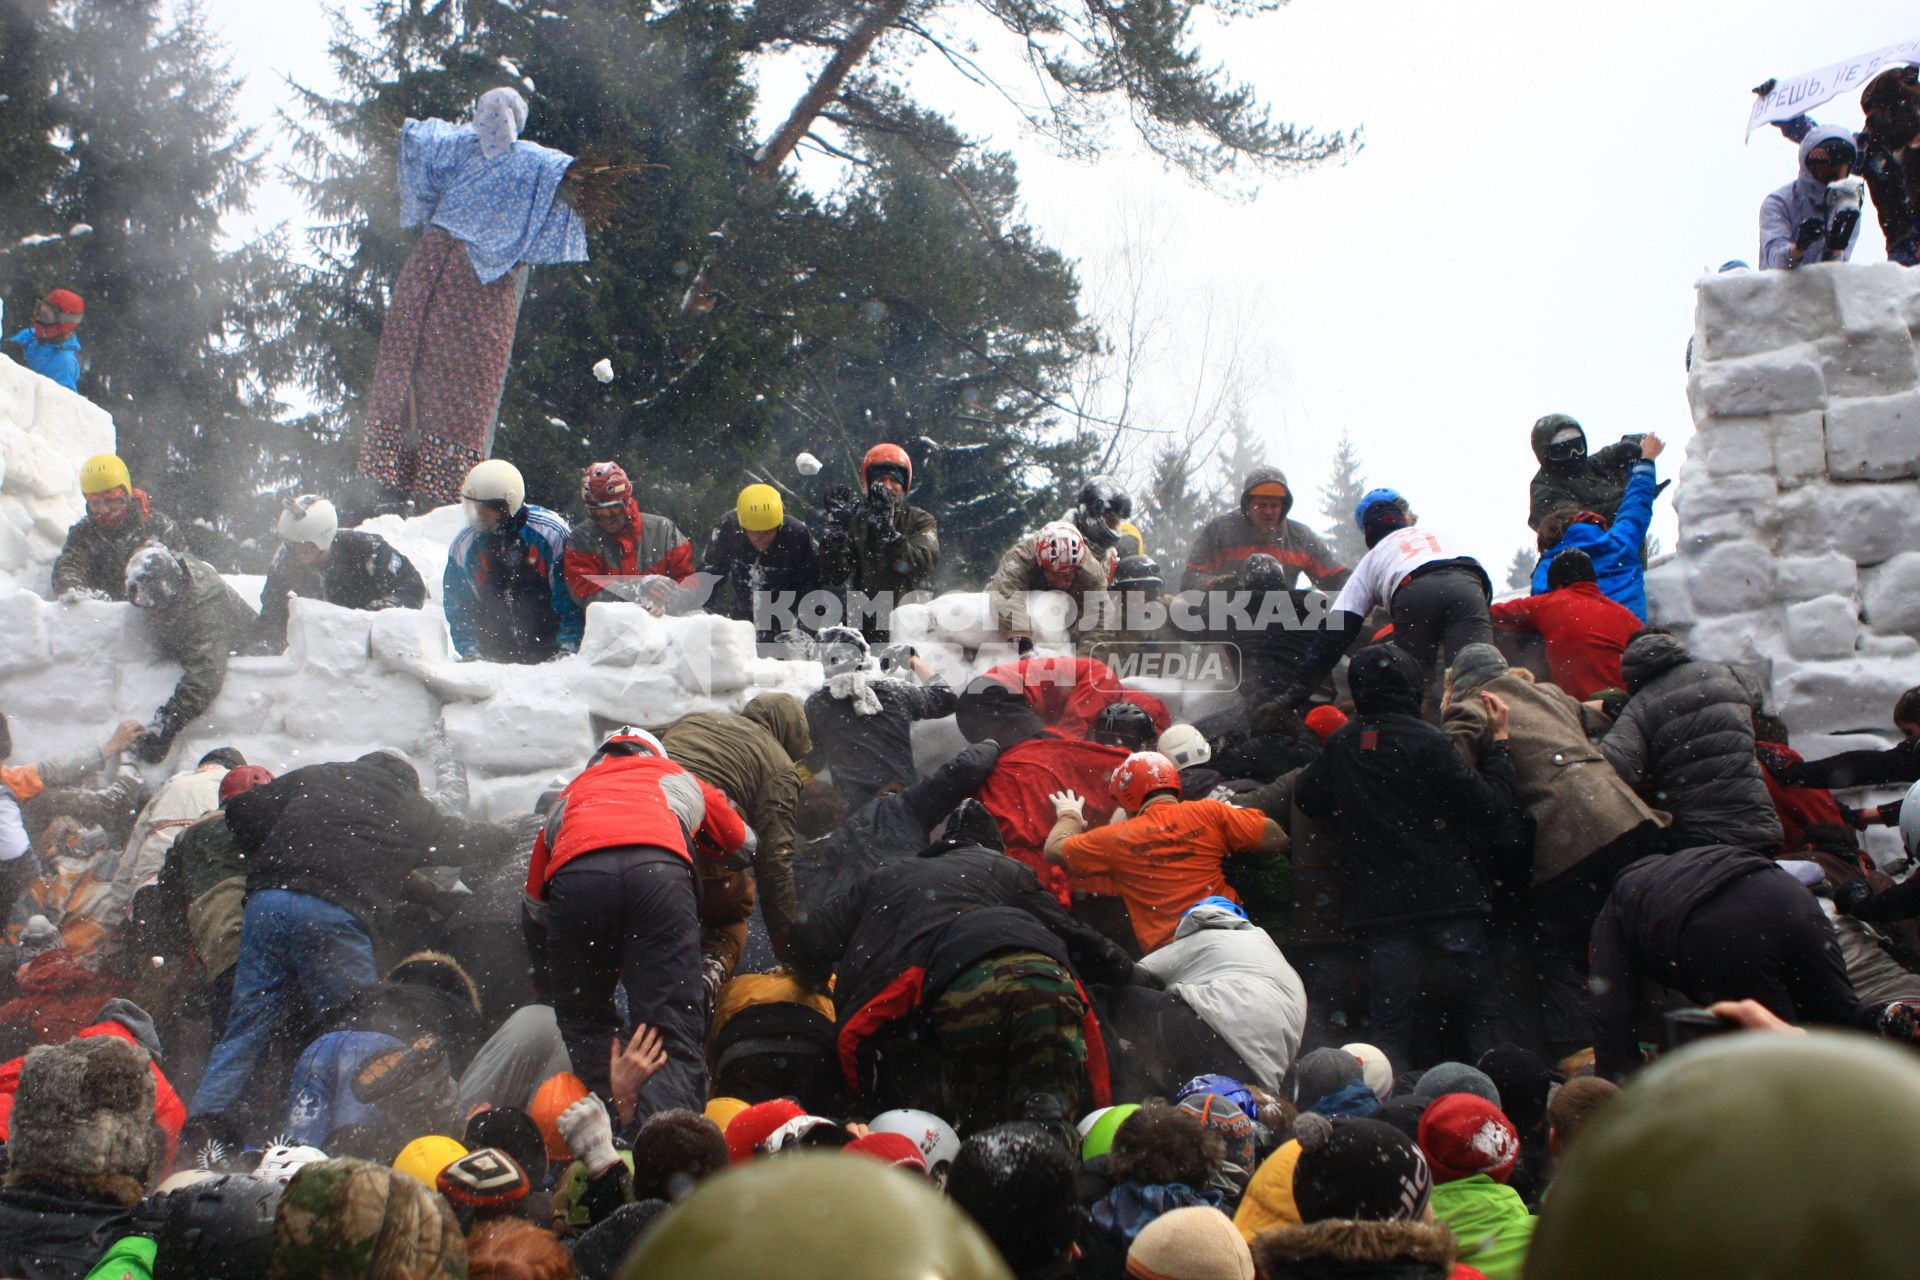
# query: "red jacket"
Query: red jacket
{"points": [[1016, 792], [621, 801], [649, 544], [1585, 634], [168, 1111], [1799, 807], [58, 996], [1068, 693]]}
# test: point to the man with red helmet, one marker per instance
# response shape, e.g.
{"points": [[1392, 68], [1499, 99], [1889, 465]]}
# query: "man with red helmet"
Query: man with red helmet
{"points": [[1056, 558], [621, 551], [876, 543], [1168, 855], [50, 348]]}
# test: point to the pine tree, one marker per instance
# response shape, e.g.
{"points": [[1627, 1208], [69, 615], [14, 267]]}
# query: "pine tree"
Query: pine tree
{"points": [[1520, 569], [1343, 490]]}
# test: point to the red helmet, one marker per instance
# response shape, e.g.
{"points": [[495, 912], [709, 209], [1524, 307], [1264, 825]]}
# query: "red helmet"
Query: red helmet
{"points": [[243, 778], [1140, 775], [887, 456], [604, 484], [1058, 546]]}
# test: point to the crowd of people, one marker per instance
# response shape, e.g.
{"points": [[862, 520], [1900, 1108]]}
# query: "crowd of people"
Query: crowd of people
{"points": [[1336, 975]]}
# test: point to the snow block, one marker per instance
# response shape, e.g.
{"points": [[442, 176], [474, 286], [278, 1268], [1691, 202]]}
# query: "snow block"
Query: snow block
{"points": [[1864, 522], [1735, 445], [621, 634], [1799, 446], [1744, 313], [1730, 578], [23, 623], [1826, 627], [494, 798], [1872, 296], [1749, 638], [1873, 363], [511, 735], [1724, 495], [1890, 594], [1805, 577], [391, 710], [401, 638], [1784, 381], [1826, 696], [1666, 589], [1874, 439], [327, 637]]}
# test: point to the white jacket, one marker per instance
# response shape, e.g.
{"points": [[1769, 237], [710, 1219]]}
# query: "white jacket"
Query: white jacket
{"points": [[1232, 975], [181, 801]]}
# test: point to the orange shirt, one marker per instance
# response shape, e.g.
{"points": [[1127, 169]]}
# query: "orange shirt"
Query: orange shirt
{"points": [[1165, 859]]}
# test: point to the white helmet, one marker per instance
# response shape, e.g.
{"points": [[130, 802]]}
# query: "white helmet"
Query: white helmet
{"points": [[282, 1161], [1058, 546], [935, 1137], [308, 518], [1185, 745], [1910, 821], [495, 482]]}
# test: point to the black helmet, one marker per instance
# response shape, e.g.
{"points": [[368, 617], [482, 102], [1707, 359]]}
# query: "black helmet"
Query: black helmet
{"points": [[1261, 572], [220, 1227], [1123, 724], [1098, 500], [1137, 573]]}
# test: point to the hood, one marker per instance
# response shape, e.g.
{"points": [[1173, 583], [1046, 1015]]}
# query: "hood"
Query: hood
{"points": [[1209, 917], [1267, 475], [1549, 427], [56, 971], [1648, 655], [437, 971], [1386, 680], [1821, 133], [1341, 1240], [1475, 665], [781, 715], [394, 763], [131, 1018]]}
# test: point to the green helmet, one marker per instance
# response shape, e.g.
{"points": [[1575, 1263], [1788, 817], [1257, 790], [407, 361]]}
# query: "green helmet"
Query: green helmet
{"points": [[815, 1216], [1098, 1139], [1752, 1156]]}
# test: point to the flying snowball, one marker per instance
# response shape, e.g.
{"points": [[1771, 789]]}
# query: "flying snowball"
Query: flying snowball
{"points": [[807, 465], [603, 370]]}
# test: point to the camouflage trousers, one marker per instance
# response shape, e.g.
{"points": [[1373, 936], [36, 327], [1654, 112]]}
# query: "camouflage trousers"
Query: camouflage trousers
{"points": [[1008, 1027]]}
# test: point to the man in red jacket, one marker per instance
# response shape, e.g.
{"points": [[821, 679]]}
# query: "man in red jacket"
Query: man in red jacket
{"points": [[621, 542], [613, 875], [1585, 633]]}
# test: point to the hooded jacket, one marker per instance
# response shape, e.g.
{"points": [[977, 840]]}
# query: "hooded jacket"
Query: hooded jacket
{"points": [[1615, 550], [1685, 740], [505, 594], [1403, 802], [904, 933], [95, 557], [58, 359], [1782, 212], [1588, 483], [649, 544], [1490, 1222], [201, 630], [1225, 542], [1232, 975], [363, 571], [752, 758]]}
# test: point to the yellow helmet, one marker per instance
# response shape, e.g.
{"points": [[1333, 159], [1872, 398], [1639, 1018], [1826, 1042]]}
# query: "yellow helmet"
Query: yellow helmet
{"points": [[424, 1158], [722, 1111], [760, 508], [103, 471]]}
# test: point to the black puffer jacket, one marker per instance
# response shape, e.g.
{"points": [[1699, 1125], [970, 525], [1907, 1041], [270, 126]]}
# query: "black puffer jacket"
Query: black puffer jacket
{"points": [[44, 1236], [1406, 808], [1685, 739]]}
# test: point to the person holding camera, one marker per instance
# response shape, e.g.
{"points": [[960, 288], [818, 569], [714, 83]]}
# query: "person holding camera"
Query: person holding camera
{"points": [[874, 541], [1811, 219]]}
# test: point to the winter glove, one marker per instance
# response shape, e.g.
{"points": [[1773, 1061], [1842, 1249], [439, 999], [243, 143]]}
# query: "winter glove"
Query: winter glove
{"points": [[1852, 896], [655, 590], [1066, 802], [1807, 232], [1842, 229], [1900, 1021], [1279, 715], [588, 1132], [153, 745], [74, 595]]}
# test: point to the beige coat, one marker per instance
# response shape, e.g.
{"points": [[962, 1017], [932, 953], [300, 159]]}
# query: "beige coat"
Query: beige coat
{"points": [[1577, 802]]}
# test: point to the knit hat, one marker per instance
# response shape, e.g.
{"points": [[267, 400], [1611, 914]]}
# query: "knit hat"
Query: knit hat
{"points": [[1268, 1202], [83, 1118], [555, 1095], [1457, 1077], [890, 1148], [1194, 1243], [1474, 665], [1322, 1072], [1568, 567], [746, 1131], [1359, 1169], [1235, 1128], [487, 1183], [1374, 1068], [353, 1220], [513, 1131], [1325, 720], [40, 936], [1462, 1135]]}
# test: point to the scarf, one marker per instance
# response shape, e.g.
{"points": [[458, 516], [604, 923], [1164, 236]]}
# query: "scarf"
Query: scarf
{"points": [[855, 685]]}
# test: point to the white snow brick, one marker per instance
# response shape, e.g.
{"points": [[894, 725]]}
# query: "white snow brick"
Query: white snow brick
{"points": [[1743, 313], [1894, 646], [1874, 439], [510, 735], [1890, 594], [93, 632], [1871, 296], [711, 655], [1799, 446], [1805, 577], [1784, 381], [494, 798], [1823, 628], [1751, 637], [1731, 446], [1864, 522], [621, 634], [1724, 495], [1666, 588], [327, 637], [1730, 578], [1874, 363], [401, 638], [23, 623], [390, 710], [1848, 694]]}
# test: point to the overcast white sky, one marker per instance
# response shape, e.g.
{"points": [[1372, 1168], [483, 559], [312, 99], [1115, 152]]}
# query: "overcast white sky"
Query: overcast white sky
{"points": [[1539, 188]]}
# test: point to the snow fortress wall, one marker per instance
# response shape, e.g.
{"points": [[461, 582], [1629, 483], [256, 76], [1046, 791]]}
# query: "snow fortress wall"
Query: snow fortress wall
{"points": [[1799, 546], [46, 432]]}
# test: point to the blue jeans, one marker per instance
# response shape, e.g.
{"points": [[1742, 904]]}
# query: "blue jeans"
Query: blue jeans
{"points": [[1394, 957], [285, 937]]}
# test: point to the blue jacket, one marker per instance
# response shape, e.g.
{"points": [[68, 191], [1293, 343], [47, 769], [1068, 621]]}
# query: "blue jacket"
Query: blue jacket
{"points": [[1615, 550], [320, 1096], [506, 597], [57, 360]]}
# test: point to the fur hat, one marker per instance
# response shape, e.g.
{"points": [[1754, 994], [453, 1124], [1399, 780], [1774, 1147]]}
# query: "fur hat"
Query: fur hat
{"points": [[83, 1119], [1194, 1243]]}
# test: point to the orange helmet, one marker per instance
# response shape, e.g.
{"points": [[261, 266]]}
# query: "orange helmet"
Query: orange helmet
{"points": [[605, 484], [1140, 775], [887, 456]]}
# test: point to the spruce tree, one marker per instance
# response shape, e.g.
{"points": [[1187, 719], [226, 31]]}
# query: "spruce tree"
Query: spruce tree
{"points": [[1520, 569], [1343, 490]]}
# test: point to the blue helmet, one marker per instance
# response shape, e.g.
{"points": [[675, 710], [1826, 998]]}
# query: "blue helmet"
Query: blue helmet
{"points": [[1241, 911], [1226, 1086], [1373, 498]]}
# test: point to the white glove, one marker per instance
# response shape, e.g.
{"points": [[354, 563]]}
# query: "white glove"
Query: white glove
{"points": [[74, 595], [1067, 802], [588, 1131]]}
